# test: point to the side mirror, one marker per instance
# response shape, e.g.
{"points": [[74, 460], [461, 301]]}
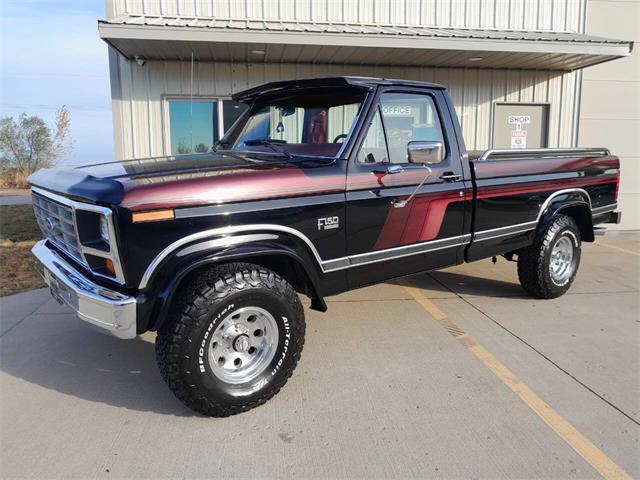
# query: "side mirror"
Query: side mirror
{"points": [[425, 152]]}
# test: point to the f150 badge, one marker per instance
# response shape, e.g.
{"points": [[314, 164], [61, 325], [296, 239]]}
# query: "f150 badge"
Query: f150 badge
{"points": [[328, 223]]}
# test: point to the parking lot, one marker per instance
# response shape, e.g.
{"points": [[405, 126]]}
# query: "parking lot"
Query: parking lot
{"points": [[455, 374]]}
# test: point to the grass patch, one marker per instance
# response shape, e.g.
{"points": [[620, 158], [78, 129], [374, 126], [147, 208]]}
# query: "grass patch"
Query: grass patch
{"points": [[18, 233]]}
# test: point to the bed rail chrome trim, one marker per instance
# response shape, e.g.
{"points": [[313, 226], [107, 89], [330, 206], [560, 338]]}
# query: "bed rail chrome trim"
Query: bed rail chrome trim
{"points": [[536, 152]]}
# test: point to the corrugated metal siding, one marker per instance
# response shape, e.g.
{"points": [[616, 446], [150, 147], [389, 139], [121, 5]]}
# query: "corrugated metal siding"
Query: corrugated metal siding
{"points": [[137, 101], [558, 15], [140, 118]]}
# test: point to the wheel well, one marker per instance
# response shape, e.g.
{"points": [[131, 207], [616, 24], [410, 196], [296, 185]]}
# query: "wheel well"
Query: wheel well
{"points": [[289, 269], [285, 266], [582, 216]]}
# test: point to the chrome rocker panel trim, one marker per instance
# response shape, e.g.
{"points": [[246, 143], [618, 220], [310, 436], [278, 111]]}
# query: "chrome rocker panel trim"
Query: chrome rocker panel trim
{"points": [[394, 253], [604, 209], [326, 265], [110, 311]]}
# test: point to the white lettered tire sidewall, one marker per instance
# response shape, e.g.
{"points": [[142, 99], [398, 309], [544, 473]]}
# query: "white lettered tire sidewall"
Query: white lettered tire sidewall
{"points": [[196, 361], [202, 303], [565, 232], [535, 261]]}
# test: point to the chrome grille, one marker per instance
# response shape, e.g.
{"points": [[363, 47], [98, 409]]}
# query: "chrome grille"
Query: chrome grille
{"points": [[58, 224]]}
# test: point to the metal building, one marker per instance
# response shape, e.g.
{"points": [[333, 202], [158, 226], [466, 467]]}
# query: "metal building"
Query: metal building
{"points": [[175, 63]]}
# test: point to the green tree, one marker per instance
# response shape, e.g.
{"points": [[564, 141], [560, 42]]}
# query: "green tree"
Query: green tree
{"points": [[28, 144], [183, 147], [201, 148]]}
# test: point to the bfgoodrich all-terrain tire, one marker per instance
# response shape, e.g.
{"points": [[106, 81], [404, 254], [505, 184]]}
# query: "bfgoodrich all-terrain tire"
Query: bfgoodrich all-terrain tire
{"points": [[548, 267], [232, 339]]}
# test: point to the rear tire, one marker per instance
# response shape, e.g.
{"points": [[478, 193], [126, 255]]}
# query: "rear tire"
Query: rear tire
{"points": [[547, 268], [232, 340]]}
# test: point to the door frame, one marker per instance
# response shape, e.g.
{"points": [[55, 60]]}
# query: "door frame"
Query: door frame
{"points": [[453, 154]]}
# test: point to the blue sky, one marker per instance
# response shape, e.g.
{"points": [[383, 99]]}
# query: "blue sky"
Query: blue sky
{"points": [[50, 54]]}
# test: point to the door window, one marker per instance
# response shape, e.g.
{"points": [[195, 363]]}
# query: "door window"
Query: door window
{"points": [[374, 147], [409, 117]]}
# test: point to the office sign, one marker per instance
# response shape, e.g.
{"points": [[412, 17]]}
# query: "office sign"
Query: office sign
{"points": [[397, 110]]}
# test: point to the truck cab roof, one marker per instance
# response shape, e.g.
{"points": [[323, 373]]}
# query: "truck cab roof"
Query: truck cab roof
{"points": [[335, 82]]}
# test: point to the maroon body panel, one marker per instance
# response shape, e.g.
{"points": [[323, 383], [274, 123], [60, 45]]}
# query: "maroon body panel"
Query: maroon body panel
{"points": [[537, 166], [229, 186]]}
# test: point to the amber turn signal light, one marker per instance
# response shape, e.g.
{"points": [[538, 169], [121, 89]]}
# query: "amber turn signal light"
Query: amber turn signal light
{"points": [[109, 267], [153, 215]]}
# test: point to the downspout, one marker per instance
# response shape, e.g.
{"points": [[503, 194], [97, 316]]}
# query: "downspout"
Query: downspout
{"points": [[578, 97], [109, 9]]}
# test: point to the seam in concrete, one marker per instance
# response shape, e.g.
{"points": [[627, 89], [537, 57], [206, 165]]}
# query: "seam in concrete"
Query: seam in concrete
{"points": [[570, 375], [479, 295], [372, 300], [620, 249], [567, 432], [23, 318]]}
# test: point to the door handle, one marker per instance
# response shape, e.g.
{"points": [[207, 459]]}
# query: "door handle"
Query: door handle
{"points": [[391, 170], [450, 177]]}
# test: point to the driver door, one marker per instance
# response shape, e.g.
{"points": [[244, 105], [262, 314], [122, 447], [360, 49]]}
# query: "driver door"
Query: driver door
{"points": [[391, 233]]}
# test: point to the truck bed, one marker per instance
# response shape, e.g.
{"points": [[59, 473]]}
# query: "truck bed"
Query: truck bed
{"points": [[513, 189]]}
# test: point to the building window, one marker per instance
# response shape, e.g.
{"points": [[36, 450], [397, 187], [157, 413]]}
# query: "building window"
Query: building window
{"points": [[195, 125]]}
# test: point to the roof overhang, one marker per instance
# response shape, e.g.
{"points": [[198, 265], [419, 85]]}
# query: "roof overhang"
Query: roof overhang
{"points": [[209, 39]]}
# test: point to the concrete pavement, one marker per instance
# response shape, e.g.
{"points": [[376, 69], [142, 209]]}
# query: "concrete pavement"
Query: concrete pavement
{"points": [[15, 197], [16, 200], [382, 390]]}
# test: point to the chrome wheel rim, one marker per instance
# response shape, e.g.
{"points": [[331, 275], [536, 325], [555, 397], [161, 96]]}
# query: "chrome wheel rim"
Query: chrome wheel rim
{"points": [[243, 345], [561, 264]]}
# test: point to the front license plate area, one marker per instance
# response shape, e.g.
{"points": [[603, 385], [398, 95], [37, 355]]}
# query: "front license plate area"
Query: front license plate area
{"points": [[55, 292], [54, 287]]}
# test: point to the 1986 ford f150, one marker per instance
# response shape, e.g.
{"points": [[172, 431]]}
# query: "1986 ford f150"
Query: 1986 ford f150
{"points": [[320, 187]]}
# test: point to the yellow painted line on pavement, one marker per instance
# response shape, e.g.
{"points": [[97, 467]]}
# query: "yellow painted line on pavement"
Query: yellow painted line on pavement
{"points": [[620, 249], [587, 450]]}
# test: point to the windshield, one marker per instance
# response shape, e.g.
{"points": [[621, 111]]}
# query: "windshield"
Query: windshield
{"points": [[313, 123]]}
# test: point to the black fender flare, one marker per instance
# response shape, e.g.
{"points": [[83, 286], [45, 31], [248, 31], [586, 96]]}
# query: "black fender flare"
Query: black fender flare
{"points": [[275, 250], [577, 204]]}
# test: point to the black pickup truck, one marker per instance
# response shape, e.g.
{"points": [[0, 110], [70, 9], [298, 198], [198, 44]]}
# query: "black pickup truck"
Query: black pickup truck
{"points": [[321, 186]]}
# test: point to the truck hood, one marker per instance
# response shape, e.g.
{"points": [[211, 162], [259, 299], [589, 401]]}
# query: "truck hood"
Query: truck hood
{"points": [[171, 181]]}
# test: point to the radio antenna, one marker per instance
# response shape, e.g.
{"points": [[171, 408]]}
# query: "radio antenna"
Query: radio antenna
{"points": [[191, 107]]}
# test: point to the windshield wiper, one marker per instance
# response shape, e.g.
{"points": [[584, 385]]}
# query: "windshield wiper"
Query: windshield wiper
{"points": [[265, 142]]}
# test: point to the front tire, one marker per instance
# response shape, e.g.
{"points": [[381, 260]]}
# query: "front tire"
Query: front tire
{"points": [[232, 339], [547, 268]]}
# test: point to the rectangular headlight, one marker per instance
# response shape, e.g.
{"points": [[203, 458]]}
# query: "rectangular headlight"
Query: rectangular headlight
{"points": [[104, 228]]}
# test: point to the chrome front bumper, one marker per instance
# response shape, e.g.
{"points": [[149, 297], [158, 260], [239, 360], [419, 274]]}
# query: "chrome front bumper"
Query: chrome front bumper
{"points": [[110, 311]]}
